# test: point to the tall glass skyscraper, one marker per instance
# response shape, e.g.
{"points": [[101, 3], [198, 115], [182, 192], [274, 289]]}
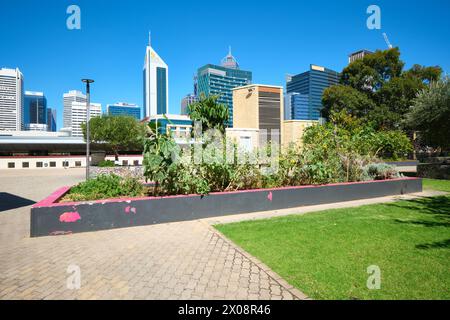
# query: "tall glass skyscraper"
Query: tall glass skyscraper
{"points": [[35, 109], [51, 120], [310, 85], [124, 109], [156, 84], [220, 80]]}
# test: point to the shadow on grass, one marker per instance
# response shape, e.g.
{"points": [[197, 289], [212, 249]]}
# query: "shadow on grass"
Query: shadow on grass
{"points": [[437, 211], [445, 244], [437, 208]]}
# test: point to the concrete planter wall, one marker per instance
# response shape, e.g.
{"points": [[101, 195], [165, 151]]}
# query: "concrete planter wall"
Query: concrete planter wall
{"points": [[52, 218]]}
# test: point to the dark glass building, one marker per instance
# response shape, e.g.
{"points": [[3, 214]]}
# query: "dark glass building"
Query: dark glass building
{"points": [[35, 108], [51, 120], [310, 84], [124, 109]]}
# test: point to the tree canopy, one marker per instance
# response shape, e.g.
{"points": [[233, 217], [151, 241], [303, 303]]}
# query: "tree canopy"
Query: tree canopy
{"points": [[210, 113], [378, 90], [116, 133], [430, 114]]}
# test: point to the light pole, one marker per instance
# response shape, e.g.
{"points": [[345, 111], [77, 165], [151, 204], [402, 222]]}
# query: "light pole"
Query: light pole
{"points": [[88, 116]]}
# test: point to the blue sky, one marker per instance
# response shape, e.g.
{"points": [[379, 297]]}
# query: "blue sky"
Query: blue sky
{"points": [[270, 38]]}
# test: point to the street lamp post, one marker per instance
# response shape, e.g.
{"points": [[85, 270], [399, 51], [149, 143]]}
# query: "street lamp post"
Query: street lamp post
{"points": [[88, 116]]}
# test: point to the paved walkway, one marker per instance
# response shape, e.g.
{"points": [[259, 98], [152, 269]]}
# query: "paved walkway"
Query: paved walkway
{"points": [[186, 260]]}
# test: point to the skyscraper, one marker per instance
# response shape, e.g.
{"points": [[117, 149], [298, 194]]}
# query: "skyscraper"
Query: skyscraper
{"points": [[311, 84], [156, 84], [11, 99], [358, 55], [69, 97], [79, 114], [186, 102], [35, 110], [51, 120], [124, 109], [221, 80]]}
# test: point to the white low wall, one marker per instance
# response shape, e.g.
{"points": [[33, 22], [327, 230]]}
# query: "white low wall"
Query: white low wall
{"points": [[59, 162]]}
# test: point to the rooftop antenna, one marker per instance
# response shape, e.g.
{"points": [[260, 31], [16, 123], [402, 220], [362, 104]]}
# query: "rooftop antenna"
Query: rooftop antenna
{"points": [[149, 38]]}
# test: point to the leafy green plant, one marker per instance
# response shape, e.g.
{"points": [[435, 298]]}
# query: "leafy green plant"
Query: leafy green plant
{"points": [[104, 187], [106, 164]]}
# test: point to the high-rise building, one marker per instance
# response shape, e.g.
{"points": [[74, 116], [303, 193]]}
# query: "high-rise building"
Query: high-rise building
{"points": [[11, 100], [311, 84], [124, 109], [34, 109], [358, 55], [156, 84], [296, 106], [221, 80], [79, 114], [69, 97], [258, 107], [186, 102], [51, 119]]}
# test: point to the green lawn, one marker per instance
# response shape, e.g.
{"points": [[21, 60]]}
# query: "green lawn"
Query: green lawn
{"points": [[326, 254]]}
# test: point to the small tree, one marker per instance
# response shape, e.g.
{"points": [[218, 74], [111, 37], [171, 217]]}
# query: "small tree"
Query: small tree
{"points": [[116, 133], [213, 115], [430, 114]]}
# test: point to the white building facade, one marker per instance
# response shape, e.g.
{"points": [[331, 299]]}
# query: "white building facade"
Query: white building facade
{"points": [[79, 114], [11, 100], [68, 98], [156, 84]]}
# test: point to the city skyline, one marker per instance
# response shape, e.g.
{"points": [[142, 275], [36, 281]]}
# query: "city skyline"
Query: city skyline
{"points": [[117, 69]]}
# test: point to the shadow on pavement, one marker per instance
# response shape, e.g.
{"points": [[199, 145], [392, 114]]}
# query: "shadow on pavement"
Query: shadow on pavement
{"points": [[9, 201]]}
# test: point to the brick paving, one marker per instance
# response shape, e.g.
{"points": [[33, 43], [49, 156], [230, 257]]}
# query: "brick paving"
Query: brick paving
{"points": [[186, 260]]}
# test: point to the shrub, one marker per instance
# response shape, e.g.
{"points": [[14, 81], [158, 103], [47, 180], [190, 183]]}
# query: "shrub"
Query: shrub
{"points": [[106, 164], [380, 171], [105, 186]]}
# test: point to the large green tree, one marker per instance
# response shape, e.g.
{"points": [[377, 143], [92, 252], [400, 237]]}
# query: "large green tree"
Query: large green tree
{"points": [[211, 113], [378, 90], [116, 133], [430, 114]]}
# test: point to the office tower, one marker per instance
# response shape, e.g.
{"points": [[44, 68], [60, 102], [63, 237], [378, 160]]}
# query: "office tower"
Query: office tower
{"points": [[186, 102], [358, 55], [156, 84], [68, 98], [296, 106], [79, 114], [51, 120], [35, 111], [258, 107], [124, 109], [11, 99], [311, 84], [221, 80]]}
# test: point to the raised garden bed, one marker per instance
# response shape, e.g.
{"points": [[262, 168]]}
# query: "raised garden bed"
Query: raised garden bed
{"points": [[49, 217]]}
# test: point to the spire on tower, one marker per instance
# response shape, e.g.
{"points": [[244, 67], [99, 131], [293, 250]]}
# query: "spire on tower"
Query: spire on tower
{"points": [[229, 61], [149, 38]]}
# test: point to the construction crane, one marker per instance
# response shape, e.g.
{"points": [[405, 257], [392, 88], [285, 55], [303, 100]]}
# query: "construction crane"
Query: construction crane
{"points": [[387, 41]]}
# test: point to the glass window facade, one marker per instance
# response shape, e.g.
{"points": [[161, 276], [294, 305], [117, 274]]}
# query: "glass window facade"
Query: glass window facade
{"points": [[310, 84], [35, 109], [124, 110], [217, 80], [161, 87]]}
